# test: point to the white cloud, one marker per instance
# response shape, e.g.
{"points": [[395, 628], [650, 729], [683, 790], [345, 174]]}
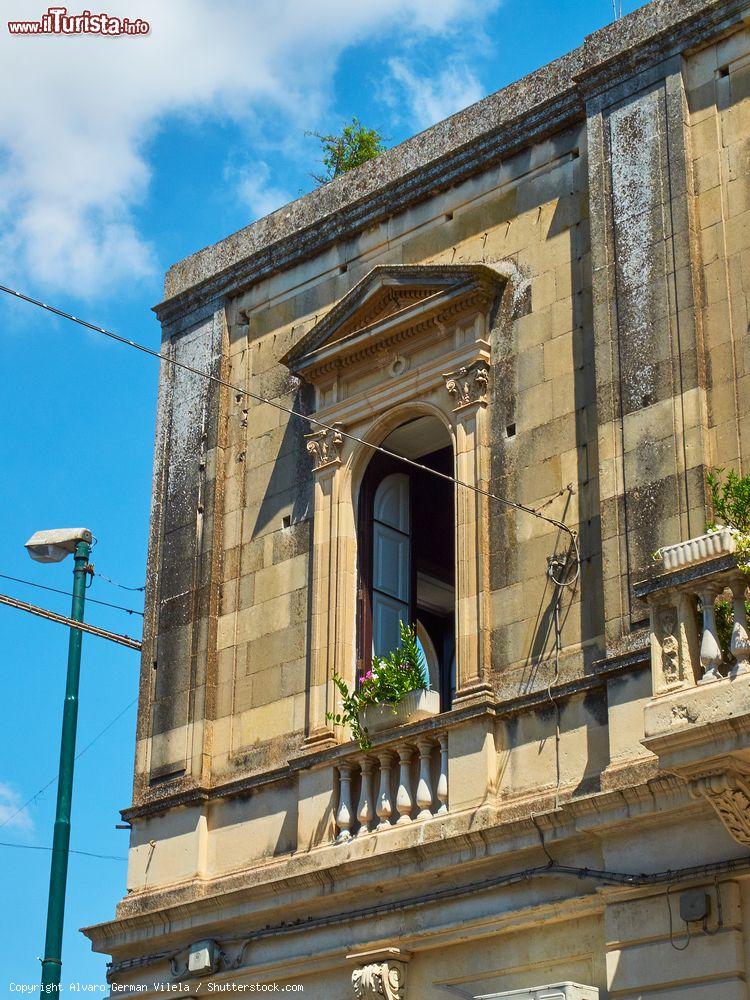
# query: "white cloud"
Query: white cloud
{"points": [[431, 99], [78, 113], [256, 188], [12, 816]]}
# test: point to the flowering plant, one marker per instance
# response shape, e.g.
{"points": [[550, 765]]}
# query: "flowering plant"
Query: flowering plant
{"points": [[388, 682]]}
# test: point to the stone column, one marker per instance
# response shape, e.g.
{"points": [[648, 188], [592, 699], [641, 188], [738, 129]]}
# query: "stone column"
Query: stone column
{"points": [[365, 811], [424, 786], [344, 819], [710, 650], [441, 792], [404, 800], [468, 387], [384, 808]]}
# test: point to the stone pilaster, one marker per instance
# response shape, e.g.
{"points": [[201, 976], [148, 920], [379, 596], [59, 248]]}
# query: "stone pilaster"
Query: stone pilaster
{"points": [[468, 387]]}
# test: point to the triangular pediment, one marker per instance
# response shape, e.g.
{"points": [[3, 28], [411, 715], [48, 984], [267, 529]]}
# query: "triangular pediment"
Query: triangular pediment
{"points": [[389, 296]]}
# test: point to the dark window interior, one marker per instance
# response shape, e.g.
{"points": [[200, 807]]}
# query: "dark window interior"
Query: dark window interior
{"points": [[431, 563]]}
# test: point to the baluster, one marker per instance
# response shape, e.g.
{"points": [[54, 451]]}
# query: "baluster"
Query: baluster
{"points": [[404, 802], [740, 644], [344, 814], [365, 811], [442, 785], [424, 786], [710, 649], [384, 807]]}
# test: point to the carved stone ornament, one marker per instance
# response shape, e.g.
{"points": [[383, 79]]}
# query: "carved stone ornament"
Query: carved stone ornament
{"points": [[468, 385], [666, 625], [380, 981], [729, 794], [325, 446]]}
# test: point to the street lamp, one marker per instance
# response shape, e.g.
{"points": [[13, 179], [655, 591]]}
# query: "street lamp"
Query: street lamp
{"points": [[54, 546]]}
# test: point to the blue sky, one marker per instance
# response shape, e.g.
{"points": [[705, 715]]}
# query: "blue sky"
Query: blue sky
{"points": [[117, 158]]}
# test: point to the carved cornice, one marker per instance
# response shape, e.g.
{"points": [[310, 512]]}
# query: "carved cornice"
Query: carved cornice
{"points": [[468, 385], [325, 446], [728, 792], [389, 305]]}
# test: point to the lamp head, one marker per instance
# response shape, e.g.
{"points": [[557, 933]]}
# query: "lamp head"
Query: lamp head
{"points": [[54, 545]]}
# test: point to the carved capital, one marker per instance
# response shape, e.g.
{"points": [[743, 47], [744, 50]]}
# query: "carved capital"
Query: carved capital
{"points": [[468, 385], [729, 794], [325, 446], [380, 981], [380, 974]]}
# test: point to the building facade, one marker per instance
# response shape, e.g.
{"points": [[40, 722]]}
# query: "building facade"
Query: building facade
{"points": [[542, 304]]}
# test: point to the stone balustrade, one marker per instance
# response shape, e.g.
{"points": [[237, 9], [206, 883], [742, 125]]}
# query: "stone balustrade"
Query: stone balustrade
{"points": [[685, 645], [697, 721], [395, 784]]}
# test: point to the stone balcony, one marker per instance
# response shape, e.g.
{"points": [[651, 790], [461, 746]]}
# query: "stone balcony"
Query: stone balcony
{"points": [[698, 719], [402, 781], [414, 774]]}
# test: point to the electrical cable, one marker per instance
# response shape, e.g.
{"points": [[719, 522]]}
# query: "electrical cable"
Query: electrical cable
{"points": [[625, 879], [334, 428], [553, 681], [671, 929], [114, 583], [80, 754], [67, 593], [85, 854]]}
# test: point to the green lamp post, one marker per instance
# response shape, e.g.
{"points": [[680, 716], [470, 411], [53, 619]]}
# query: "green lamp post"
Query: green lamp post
{"points": [[54, 546]]}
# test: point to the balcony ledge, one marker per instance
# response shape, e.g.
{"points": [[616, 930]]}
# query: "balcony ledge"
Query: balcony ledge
{"points": [[684, 726], [702, 735]]}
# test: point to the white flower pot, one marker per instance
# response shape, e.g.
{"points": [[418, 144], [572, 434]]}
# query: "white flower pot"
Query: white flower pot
{"points": [[414, 706], [721, 542]]}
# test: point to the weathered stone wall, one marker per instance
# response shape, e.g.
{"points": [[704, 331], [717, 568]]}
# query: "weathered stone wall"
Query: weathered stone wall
{"points": [[181, 609], [611, 190], [717, 81], [531, 212], [600, 381]]}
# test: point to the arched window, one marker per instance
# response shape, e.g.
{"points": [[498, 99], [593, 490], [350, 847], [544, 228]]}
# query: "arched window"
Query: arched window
{"points": [[406, 561], [391, 561]]}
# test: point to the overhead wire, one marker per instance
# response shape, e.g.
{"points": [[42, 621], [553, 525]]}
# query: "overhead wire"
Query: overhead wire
{"points": [[80, 754], [85, 854], [314, 421], [114, 583], [68, 593]]}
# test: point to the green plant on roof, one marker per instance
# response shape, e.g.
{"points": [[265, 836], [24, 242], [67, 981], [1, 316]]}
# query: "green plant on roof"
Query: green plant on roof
{"points": [[353, 146]]}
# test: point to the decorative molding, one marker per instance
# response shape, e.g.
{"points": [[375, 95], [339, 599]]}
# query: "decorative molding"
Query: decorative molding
{"points": [[385, 980], [383, 977], [393, 303], [468, 385], [391, 300], [325, 446], [728, 791], [372, 401]]}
